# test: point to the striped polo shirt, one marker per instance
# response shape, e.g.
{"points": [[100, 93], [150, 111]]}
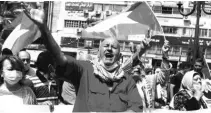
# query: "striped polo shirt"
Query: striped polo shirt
{"points": [[42, 90]]}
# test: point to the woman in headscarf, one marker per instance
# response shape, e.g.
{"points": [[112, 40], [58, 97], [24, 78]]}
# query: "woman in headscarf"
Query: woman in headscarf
{"points": [[190, 95]]}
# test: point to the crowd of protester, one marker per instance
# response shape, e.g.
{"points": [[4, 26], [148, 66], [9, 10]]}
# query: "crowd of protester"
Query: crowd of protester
{"points": [[99, 85]]}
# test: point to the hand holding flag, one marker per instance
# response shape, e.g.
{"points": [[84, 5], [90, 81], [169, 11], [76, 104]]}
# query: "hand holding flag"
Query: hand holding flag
{"points": [[148, 36]]}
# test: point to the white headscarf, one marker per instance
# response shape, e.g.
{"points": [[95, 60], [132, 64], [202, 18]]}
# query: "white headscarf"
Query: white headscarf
{"points": [[186, 84], [187, 81]]}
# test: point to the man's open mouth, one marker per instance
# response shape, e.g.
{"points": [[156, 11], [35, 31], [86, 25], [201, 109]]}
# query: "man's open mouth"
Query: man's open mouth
{"points": [[109, 55]]}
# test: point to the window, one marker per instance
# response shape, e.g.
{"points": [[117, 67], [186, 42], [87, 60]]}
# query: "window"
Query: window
{"points": [[88, 43], [184, 31], [157, 9], [192, 32], [184, 50], [189, 32], [96, 43], [159, 49], [68, 41], [121, 43], [208, 53], [74, 23], [82, 24], [170, 30], [68, 6], [167, 10], [204, 14], [127, 47], [203, 32], [81, 43], [107, 7], [98, 7], [176, 50], [175, 10], [209, 32]]}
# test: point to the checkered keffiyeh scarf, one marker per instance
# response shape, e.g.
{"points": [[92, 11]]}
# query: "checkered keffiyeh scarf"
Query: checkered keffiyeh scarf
{"points": [[103, 72]]}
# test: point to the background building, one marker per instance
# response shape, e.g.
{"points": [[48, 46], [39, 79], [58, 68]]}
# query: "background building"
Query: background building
{"points": [[66, 19], [69, 18]]}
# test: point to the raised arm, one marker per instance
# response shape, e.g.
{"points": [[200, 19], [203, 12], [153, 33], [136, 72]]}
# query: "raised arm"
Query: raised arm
{"points": [[164, 74], [68, 68], [52, 46], [141, 49], [38, 17], [165, 58]]}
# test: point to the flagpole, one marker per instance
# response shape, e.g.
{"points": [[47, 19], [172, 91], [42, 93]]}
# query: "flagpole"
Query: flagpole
{"points": [[198, 6]]}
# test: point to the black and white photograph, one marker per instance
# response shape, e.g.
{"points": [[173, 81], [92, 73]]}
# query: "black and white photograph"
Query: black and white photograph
{"points": [[98, 56]]}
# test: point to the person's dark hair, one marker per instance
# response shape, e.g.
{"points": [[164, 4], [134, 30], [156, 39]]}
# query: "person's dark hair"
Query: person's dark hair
{"points": [[200, 60], [6, 52], [24, 49], [17, 64], [173, 71], [187, 65], [184, 65], [43, 60], [181, 66]]}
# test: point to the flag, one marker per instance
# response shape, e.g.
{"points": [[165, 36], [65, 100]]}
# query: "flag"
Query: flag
{"points": [[24, 33], [136, 20]]}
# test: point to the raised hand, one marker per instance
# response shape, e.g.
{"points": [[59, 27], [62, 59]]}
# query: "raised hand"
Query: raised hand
{"points": [[165, 49], [36, 15], [206, 85], [148, 37], [166, 46]]}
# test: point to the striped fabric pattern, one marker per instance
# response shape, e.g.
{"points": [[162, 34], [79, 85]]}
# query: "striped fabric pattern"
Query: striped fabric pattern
{"points": [[42, 91]]}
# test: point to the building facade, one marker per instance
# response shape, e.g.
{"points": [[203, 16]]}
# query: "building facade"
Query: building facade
{"points": [[68, 19]]}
